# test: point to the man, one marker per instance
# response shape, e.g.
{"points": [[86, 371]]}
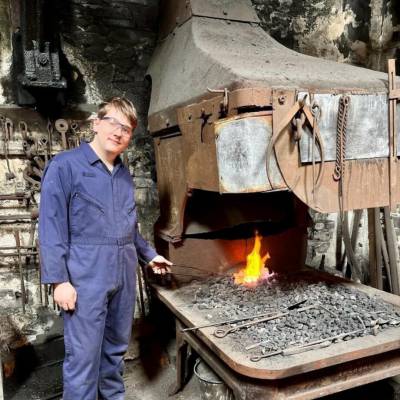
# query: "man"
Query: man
{"points": [[90, 246]]}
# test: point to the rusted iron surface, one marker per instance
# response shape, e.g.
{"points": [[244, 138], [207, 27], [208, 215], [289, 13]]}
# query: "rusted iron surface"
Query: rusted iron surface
{"points": [[199, 151], [250, 97], [296, 364], [361, 175], [172, 187], [174, 13]]}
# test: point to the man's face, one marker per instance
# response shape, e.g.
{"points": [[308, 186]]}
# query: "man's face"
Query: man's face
{"points": [[113, 132]]}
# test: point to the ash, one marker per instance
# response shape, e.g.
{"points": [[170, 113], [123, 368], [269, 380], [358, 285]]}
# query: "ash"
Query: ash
{"points": [[339, 309]]}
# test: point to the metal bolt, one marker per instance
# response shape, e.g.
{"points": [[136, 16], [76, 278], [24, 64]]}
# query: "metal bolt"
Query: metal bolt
{"points": [[281, 100]]}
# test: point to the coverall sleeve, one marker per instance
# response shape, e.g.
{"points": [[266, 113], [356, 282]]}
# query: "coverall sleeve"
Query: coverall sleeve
{"points": [[53, 222], [144, 250]]}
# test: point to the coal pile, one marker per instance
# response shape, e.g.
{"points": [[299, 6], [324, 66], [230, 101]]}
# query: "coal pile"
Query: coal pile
{"points": [[334, 310]]}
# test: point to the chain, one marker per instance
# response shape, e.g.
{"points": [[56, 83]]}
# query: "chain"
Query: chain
{"points": [[316, 112], [343, 112]]}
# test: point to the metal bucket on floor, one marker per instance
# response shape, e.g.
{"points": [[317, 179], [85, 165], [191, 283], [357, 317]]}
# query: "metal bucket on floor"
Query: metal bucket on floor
{"points": [[211, 386]]}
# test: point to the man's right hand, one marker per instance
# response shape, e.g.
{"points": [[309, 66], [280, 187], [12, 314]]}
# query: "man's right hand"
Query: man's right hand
{"points": [[65, 296]]}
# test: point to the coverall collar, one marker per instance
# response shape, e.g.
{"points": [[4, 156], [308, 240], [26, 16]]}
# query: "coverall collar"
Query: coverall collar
{"points": [[92, 157]]}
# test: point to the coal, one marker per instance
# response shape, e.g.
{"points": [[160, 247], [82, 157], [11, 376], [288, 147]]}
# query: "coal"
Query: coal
{"points": [[340, 309]]}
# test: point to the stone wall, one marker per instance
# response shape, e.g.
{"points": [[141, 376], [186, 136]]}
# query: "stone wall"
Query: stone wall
{"points": [[105, 50], [363, 32]]}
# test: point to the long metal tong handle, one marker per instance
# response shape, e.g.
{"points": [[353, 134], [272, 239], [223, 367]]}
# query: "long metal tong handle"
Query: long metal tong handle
{"points": [[220, 333], [293, 350], [317, 344]]}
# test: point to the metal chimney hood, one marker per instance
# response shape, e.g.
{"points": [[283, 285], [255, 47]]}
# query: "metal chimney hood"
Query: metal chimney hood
{"points": [[232, 111]]}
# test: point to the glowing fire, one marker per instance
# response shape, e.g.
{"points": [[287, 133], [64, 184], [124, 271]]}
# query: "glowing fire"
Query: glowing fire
{"points": [[255, 267]]}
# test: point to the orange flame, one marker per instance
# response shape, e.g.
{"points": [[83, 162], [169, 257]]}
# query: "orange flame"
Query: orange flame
{"points": [[255, 266]]}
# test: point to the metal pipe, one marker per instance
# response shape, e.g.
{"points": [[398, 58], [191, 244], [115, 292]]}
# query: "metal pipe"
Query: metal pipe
{"points": [[17, 254], [21, 272]]}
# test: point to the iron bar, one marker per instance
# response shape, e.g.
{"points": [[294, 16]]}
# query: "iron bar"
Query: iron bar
{"points": [[18, 253], [220, 333], [229, 321], [297, 349], [21, 272]]}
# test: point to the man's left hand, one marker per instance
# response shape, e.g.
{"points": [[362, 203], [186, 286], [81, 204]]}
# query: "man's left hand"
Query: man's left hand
{"points": [[160, 265]]}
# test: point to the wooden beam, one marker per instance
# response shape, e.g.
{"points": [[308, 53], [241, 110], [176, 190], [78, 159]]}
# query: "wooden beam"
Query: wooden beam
{"points": [[392, 134], [394, 94]]}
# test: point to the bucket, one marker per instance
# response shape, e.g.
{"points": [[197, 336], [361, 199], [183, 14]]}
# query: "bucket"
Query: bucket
{"points": [[211, 386]]}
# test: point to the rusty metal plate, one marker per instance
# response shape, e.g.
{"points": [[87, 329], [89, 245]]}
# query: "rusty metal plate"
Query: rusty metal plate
{"points": [[170, 165], [296, 364], [367, 127], [241, 155]]}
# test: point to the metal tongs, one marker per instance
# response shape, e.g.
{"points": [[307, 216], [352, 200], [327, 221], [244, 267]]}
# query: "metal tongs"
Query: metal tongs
{"points": [[317, 344], [220, 333]]}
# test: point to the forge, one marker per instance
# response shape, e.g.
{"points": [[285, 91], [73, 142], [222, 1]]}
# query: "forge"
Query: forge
{"points": [[248, 135]]}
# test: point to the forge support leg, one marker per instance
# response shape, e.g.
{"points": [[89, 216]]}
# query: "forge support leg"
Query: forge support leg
{"points": [[181, 359]]}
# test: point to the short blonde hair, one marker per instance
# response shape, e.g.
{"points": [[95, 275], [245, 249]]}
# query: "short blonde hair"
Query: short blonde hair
{"points": [[123, 105]]}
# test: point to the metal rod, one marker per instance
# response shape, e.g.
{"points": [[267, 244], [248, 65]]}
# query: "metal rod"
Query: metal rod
{"points": [[40, 272], [293, 350], [229, 321], [191, 275], [386, 261], [378, 248], [21, 272], [141, 296], [220, 333], [15, 247], [392, 250], [46, 295], [189, 266], [233, 321], [17, 254]]}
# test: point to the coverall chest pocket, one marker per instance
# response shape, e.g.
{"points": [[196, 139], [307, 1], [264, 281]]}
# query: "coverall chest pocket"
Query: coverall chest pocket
{"points": [[87, 215], [131, 219]]}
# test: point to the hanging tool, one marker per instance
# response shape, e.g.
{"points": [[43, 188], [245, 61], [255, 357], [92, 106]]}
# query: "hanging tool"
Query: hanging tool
{"points": [[8, 134], [23, 129], [295, 113], [61, 126]]}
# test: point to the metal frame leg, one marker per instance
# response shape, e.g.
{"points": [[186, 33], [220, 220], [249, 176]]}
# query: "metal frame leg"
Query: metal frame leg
{"points": [[181, 359]]}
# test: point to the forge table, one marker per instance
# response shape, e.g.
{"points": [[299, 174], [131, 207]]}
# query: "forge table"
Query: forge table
{"points": [[309, 375]]}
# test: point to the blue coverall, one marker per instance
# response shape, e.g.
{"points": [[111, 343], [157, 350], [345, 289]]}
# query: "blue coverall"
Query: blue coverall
{"points": [[88, 236]]}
